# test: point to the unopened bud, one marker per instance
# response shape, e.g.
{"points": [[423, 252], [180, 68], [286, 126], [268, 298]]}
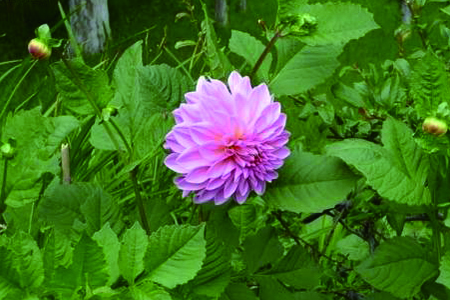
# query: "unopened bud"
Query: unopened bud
{"points": [[434, 126], [38, 49], [7, 150]]}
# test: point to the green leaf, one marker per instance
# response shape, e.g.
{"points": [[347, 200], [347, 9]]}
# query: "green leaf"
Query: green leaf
{"points": [[144, 96], [397, 171], [174, 248], [444, 269], [337, 22], [353, 247], [306, 69], [244, 217], [310, 183], [150, 291], [108, 240], [37, 139], [297, 269], [132, 251], [250, 49], [215, 273], [88, 268], [9, 277], [270, 289], [73, 85], [22, 267], [382, 296], [262, 249], [392, 265], [64, 205], [429, 85], [218, 62], [238, 291]]}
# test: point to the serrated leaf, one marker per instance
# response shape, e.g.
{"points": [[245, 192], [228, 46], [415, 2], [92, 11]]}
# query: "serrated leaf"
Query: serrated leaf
{"points": [[310, 183], [244, 217], [72, 85], [250, 49], [262, 249], [306, 69], [132, 251], [108, 240], [144, 96], [444, 269], [88, 268], [429, 85], [86, 203], [337, 22], [150, 291], [397, 171], [393, 264], [174, 248], [238, 291], [215, 273], [37, 139], [9, 278], [297, 269], [218, 62]]}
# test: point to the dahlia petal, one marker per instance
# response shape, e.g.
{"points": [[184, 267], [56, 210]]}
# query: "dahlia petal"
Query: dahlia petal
{"points": [[230, 188], [204, 196], [215, 183], [270, 175], [172, 144], [198, 175], [221, 168], [282, 153], [241, 198], [181, 134], [191, 159], [201, 133], [268, 116], [243, 187], [171, 163], [184, 185], [239, 85], [260, 187]]}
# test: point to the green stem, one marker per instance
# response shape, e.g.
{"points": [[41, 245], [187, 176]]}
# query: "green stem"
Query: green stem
{"points": [[3, 190], [139, 202], [122, 136], [265, 53], [179, 63], [72, 38], [97, 110], [15, 89]]}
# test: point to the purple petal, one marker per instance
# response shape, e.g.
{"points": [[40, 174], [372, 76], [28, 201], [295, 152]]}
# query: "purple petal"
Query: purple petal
{"points": [[191, 159], [171, 163], [198, 175], [221, 168], [230, 188]]}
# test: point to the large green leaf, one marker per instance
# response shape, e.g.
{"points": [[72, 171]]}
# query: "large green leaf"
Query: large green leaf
{"points": [[219, 64], [73, 84], [132, 252], [306, 69], [250, 49], [429, 85], [64, 205], [262, 249], [174, 248], [444, 276], [297, 269], [88, 267], [397, 171], [150, 291], [144, 96], [310, 183], [21, 266], [215, 273], [238, 291], [337, 22], [399, 266], [37, 140], [110, 244]]}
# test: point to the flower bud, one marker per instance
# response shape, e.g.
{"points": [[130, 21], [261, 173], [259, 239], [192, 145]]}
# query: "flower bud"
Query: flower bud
{"points": [[38, 49], [7, 150], [434, 126]]}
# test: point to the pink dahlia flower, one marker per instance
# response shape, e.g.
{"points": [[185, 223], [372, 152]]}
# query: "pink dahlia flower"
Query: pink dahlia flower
{"points": [[227, 141]]}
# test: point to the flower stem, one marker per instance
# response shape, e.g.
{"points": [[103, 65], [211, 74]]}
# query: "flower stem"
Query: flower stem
{"points": [[265, 52], [139, 202], [3, 190], [15, 89]]}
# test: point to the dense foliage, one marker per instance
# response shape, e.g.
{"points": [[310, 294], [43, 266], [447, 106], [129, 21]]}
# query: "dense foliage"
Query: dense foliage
{"points": [[89, 210]]}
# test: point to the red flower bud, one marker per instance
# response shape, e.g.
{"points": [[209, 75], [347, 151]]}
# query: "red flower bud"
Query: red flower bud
{"points": [[434, 126], [38, 49]]}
